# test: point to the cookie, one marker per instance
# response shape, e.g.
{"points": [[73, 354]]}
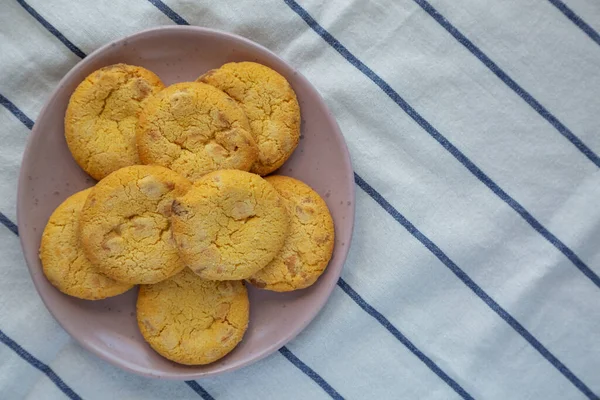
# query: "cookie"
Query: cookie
{"points": [[102, 115], [229, 225], [193, 129], [270, 104], [193, 321], [125, 226], [63, 261], [309, 245]]}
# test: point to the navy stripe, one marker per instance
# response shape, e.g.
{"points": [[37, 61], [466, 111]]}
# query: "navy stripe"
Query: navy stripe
{"points": [[403, 339], [16, 112], [474, 287], [310, 373], [51, 29], [576, 19], [168, 11], [492, 66], [464, 160], [199, 390], [25, 355], [9, 224]]}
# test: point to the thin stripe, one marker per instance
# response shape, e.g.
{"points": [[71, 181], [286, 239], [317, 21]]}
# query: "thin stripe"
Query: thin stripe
{"points": [[9, 224], [199, 390], [310, 373], [16, 112], [464, 160], [576, 19], [522, 93], [168, 11], [403, 339], [51, 29], [474, 287], [25, 355]]}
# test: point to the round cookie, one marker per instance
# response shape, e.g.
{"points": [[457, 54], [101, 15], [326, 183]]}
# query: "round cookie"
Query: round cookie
{"points": [[270, 104], [193, 321], [309, 245], [125, 226], [63, 261], [193, 129], [229, 225], [102, 115]]}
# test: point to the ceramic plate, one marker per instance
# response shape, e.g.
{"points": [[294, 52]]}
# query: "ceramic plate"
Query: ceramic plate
{"points": [[49, 175]]}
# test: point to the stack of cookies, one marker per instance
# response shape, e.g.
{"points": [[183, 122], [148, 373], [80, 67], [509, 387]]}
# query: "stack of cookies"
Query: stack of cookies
{"points": [[181, 207]]}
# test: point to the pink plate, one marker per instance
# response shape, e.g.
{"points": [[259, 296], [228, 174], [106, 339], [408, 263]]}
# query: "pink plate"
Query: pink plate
{"points": [[49, 174]]}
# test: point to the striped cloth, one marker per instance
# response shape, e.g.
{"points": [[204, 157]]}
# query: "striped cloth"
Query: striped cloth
{"points": [[474, 131]]}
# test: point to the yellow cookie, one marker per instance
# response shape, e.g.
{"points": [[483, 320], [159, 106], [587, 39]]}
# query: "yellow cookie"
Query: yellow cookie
{"points": [[270, 104], [194, 128], [192, 321], [63, 261], [229, 225], [309, 245], [125, 227], [102, 115]]}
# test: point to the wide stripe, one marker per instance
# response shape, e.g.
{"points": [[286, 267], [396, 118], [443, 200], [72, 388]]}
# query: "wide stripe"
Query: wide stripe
{"points": [[51, 29], [577, 20], [492, 66], [398, 335], [475, 288], [199, 390], [310, 373], [25, 355], [441, 139]]}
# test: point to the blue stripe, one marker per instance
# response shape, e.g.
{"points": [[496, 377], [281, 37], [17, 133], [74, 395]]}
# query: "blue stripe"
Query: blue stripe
{"points": [[474, 287], [387, 89], [16, 112], [51, 29], [21, 352], [403, 339], [529, 99], [199, 390], [576, 19], [9, 224], [168, 11], [310, 373]]}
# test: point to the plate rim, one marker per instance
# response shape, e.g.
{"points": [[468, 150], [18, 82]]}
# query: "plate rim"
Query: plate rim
{"points": [[123, 362]]}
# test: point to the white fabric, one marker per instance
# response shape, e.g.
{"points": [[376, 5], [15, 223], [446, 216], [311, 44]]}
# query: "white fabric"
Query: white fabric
{"points": [[533, 42]]}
